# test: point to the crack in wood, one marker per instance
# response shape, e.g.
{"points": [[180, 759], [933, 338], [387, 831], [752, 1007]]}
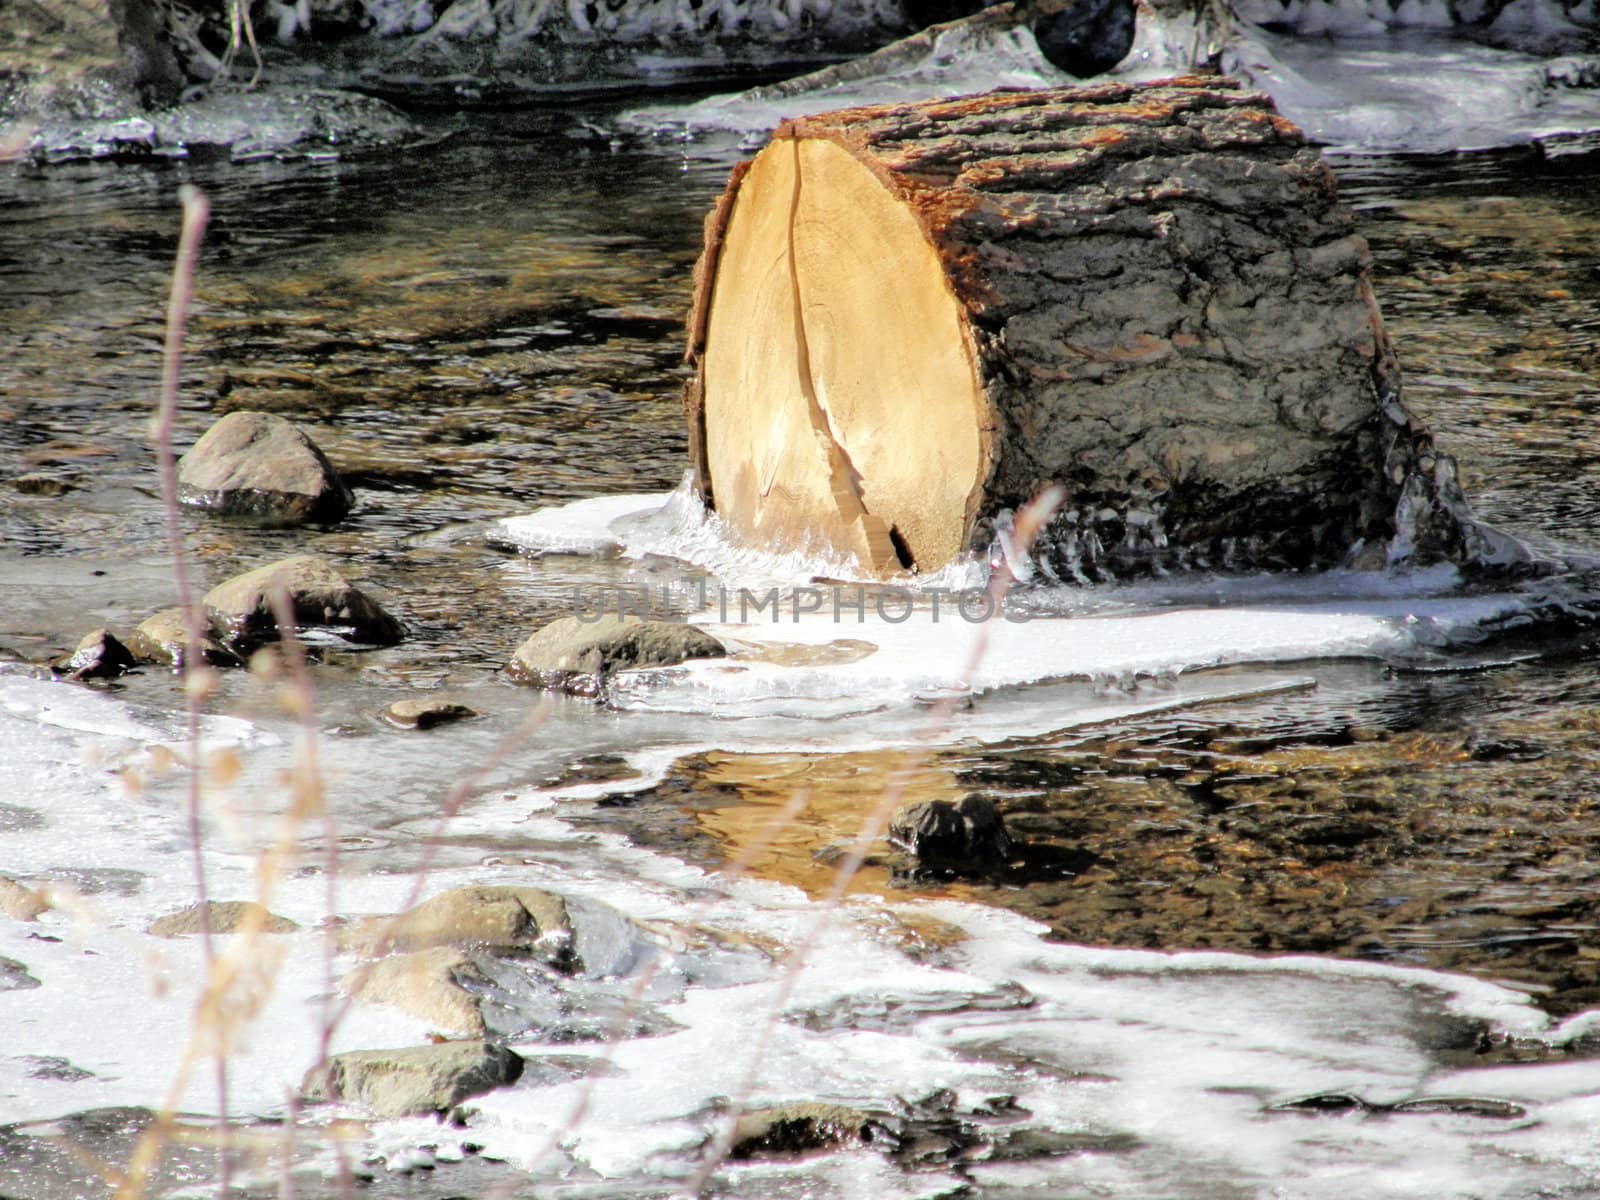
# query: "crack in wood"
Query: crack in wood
{"points": [[844, 481]]}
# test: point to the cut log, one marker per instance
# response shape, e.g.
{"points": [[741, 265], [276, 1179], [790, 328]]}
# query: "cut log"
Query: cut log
{"points": [[909, 318]]}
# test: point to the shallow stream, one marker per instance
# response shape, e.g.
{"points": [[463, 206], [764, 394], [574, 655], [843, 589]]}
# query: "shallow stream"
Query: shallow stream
{"points": [[1369, 804]]}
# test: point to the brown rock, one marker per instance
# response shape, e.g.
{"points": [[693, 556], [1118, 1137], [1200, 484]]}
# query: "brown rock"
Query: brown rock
{"points": [[163, 639], [258, 467], [415, 1080], [98, 656], [38, 484], [424, 983], [227, 916], [319, 597], [959, 836], [575, 656], [425, 714], [503, 919]]}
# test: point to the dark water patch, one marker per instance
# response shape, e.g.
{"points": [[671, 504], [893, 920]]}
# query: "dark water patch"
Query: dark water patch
{"points": [[1487, 268], [49, 1066]]}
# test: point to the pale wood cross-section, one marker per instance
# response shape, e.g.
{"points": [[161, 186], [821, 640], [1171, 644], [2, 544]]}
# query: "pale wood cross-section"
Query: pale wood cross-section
{"points": [[842, 405], [909, 318]]}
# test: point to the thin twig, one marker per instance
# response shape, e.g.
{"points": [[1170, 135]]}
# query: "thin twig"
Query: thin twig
{"points": [[197, 676]]}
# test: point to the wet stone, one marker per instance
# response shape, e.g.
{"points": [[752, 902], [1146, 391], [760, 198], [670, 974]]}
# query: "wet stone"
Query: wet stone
{"points": [[967, 835], [505, 919], [226, 916], [415, 1080], [163, 639], [39, 484], [426, 714], [806, 1127], [258, 468], [319, 597], [14, 976], [576, 656], [100, 655]]}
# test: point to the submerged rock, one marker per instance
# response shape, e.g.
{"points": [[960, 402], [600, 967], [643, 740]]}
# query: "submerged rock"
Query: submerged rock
{"points": [[227, 916], [425, 714], [98, 656], [939, 834], [260, 468], [413, 1081], [805, 1127], [576, 656], [163, 639], [320, 597], [37, 483]]}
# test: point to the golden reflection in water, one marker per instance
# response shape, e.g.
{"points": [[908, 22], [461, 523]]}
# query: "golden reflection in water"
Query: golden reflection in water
{"points": [[839, 792]]}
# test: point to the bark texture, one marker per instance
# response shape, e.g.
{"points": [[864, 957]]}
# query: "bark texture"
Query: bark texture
{"points": [[1157, 301]]}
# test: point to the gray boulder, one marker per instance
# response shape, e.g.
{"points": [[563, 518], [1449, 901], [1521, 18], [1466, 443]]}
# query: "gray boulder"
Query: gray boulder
{"points": [[320, 597], [227, 916], [413, 1081], [257, 467], [576, 656]]}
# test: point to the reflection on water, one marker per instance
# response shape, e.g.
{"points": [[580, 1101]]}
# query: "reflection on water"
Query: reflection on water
{"points": [[1488, 272]]}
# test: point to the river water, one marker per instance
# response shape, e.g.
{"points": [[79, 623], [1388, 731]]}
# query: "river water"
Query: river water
{"points": [[1307, 900]]}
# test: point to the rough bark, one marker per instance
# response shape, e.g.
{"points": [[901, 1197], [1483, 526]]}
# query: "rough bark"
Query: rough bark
{"points": [[1148, 294]]}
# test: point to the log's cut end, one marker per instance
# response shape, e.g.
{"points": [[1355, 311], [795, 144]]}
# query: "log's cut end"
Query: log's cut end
{"points": [[909, 318], [842, 407]]}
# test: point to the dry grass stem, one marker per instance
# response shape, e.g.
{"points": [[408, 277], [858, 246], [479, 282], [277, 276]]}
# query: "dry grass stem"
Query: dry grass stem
{"points": [[196, 213]]}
